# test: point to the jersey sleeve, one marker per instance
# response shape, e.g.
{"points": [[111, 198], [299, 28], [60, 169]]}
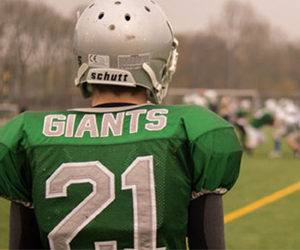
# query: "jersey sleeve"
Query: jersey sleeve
{"points": [[215, 152], [216, 157], [14, 182]]}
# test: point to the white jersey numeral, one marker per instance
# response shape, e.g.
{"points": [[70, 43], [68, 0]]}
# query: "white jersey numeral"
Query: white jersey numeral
{"points": [[102, 195], [139, 177]]}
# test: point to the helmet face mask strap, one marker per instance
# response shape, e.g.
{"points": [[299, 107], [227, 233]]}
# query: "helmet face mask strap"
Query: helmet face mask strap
{"points": [[80, 73], [157, 92], [123, 50], [161, 89], [172, 63]]}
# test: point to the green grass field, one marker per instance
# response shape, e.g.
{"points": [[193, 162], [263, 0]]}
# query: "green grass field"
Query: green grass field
{"points": [[274, 226], [4, 219]]}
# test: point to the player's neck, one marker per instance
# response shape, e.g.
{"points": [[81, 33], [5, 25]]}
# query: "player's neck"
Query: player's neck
{"points": [[108, 97]]}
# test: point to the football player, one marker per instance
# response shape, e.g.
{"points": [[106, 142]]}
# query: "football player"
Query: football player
{"points": [[255, 135], [290, 126], [124, 173], [240, 119]]}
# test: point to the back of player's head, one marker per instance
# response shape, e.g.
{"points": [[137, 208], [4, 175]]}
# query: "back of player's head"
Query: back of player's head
{"points": [[125, 43]]}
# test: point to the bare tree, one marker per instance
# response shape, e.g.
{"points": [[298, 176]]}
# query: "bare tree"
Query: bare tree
{"points": [[236, 21], [240, 50], [36, 43]]}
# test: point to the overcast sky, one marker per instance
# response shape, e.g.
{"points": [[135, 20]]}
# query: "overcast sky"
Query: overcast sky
{"points": [[194, 15]]}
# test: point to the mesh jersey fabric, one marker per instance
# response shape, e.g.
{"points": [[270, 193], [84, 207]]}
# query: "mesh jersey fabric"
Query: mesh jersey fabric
{"points": [[175, 151]]}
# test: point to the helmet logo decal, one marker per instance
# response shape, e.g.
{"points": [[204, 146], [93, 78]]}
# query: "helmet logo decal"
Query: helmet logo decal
{"points": [[109, 77], [98, 61]]}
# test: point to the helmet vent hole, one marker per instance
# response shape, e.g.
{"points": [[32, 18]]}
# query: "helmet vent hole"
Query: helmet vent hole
{"points": [[91, 5], [117, 2], [147, 8], [152, 1], [101, 15], [112, 27], [127, 17]]}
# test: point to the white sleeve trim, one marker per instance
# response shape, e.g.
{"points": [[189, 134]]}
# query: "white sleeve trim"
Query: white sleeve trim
{"points": [[25, 204], [219, 191]]}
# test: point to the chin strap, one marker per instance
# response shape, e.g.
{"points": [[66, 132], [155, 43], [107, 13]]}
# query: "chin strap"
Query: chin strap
{"points": [[80, 73], [162, 88], [172, 62], [158, 87]]}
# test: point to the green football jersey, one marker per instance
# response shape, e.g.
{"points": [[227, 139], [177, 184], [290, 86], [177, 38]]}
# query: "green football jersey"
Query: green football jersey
{"points": [[240, 113], [116, 178], [262, 118]]}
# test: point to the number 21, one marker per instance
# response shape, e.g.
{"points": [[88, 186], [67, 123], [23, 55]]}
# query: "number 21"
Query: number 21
{"points": [[139, 177]]}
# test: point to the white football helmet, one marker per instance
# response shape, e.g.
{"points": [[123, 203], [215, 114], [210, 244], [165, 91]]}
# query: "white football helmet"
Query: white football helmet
{"points": [[125, 43]]}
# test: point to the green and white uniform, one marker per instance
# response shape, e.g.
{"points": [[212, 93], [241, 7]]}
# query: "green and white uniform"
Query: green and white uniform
{"points": [[254, 134], [261, 119], [115, 179]]}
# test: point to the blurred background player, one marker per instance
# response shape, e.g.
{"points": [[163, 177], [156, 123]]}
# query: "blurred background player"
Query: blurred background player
{"points": [[207, 98], [240, 120], [196, 99], [255, 135], [279, 126], [212, 99], [286, 122], [124, 173], [293, 140], [226, 108]]}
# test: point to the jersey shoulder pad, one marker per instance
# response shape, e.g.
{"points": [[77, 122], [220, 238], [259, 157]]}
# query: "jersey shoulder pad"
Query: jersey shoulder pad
{"points": [[12, 131], [198, 121]]}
